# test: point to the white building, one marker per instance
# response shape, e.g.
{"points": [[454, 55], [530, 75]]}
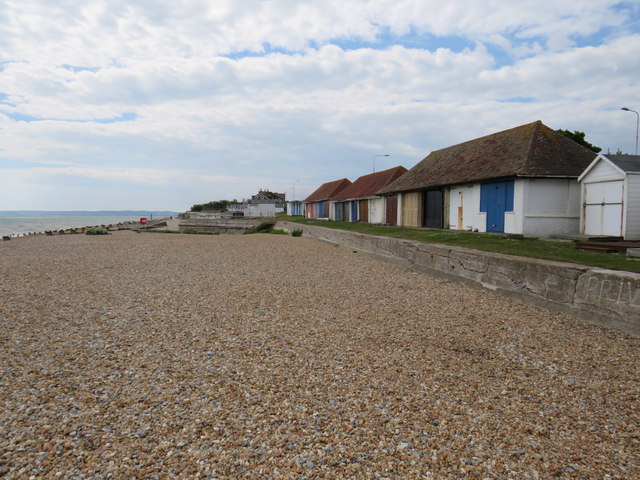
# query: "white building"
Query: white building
{"points": [[532, 206], [610, 197], [520, 181]]}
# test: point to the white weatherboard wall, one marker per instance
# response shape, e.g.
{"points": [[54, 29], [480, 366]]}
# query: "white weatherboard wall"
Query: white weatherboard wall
{"points": [[611, 200], [632, 207]]}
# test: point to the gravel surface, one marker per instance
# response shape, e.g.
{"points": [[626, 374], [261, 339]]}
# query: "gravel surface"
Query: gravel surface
{"points": [[163, 356]]}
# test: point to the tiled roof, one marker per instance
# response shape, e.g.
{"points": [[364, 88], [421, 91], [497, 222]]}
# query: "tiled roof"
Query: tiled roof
{"points": [[626, 163], [369, 185], [268, 195], [327, 190], [528, 150]]}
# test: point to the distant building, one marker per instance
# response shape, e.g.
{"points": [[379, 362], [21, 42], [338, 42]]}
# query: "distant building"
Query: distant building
{"points": [[266, 196], [265, 204]]}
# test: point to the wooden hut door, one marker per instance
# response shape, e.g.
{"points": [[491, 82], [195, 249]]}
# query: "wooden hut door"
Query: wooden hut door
{"points": [[364, 210], [392, 210], [433, 209], [496, 198], [603, 208], [461, 212]]}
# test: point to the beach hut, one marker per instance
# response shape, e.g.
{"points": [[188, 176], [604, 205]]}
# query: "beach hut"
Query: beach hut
{"points": [[317, 205], [295, 208], [523, 181], [610, 194], [360, 201]]}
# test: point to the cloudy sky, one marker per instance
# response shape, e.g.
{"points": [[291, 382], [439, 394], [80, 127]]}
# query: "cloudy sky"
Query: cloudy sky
{"points": [[143, 104]]}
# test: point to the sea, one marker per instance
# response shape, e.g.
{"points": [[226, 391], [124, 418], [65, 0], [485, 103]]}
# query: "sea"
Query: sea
{"points": [[17, 223]]}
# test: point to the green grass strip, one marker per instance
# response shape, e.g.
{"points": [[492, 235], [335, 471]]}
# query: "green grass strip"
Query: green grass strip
{"points": [[558, 250]]}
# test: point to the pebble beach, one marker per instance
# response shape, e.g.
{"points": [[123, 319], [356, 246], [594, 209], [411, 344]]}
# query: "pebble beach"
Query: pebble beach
{"points": [[167, 356]]}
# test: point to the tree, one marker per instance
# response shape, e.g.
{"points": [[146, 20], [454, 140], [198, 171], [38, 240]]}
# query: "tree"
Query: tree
{"points": [[578, 137], [215, 205]]}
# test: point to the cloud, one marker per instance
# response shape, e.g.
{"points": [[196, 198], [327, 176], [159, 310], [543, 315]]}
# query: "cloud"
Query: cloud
{"points": [[104, 33], [165, 95]]}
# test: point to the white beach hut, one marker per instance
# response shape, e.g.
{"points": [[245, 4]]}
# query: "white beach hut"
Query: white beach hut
{"points": [[610, 194]]}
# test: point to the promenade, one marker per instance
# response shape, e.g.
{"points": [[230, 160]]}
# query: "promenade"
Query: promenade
{"points": [[266, 356]]}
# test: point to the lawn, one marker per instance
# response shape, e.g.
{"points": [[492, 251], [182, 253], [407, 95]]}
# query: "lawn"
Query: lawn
{"points": [[558, 250]]}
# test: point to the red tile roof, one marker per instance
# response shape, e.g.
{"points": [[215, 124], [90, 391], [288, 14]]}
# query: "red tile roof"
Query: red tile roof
{"points": [[327, 190], [369, 185], [528, 150]]}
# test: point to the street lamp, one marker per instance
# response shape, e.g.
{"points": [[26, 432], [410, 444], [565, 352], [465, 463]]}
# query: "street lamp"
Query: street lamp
{"points": [[637, 124], [374, 160], [294, 189]]}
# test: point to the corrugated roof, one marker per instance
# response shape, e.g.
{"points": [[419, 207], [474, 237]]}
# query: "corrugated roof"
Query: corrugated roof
{"points": [[327, 190], [528, 150], [369, 185], [626, 163]]}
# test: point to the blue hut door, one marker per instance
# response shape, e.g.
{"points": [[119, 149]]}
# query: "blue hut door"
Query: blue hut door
{"points": [[337, 210], [354, 211], [496, 198]]}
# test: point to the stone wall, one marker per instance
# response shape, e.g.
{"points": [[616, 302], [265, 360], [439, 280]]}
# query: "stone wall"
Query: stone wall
{"points": [[224, 225], [597, 295]]}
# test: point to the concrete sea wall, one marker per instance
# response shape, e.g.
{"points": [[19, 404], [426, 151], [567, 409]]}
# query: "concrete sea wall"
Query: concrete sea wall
{"points": [[224, 225], [607, 297]]}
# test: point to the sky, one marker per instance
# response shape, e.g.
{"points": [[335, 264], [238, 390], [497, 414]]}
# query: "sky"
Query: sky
{"points": [[159, 105]]}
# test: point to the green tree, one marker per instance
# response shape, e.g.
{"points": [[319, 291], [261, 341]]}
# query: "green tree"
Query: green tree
{"points": [[214, 205], [578, 137]]}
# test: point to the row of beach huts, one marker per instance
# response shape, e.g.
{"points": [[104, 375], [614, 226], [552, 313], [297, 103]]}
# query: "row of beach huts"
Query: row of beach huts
{"points": [[528, 180]]}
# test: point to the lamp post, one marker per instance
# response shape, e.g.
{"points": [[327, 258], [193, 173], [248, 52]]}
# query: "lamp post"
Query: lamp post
{"points": [[374, 160], [294, 189], [637, 124]]}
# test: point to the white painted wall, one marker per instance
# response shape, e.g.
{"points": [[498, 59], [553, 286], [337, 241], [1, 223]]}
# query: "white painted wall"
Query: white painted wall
{"points": [[260, 210], [632, 207], [541, 207], [376, 210], [467, 197], [514, 220], [551, 206]]}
